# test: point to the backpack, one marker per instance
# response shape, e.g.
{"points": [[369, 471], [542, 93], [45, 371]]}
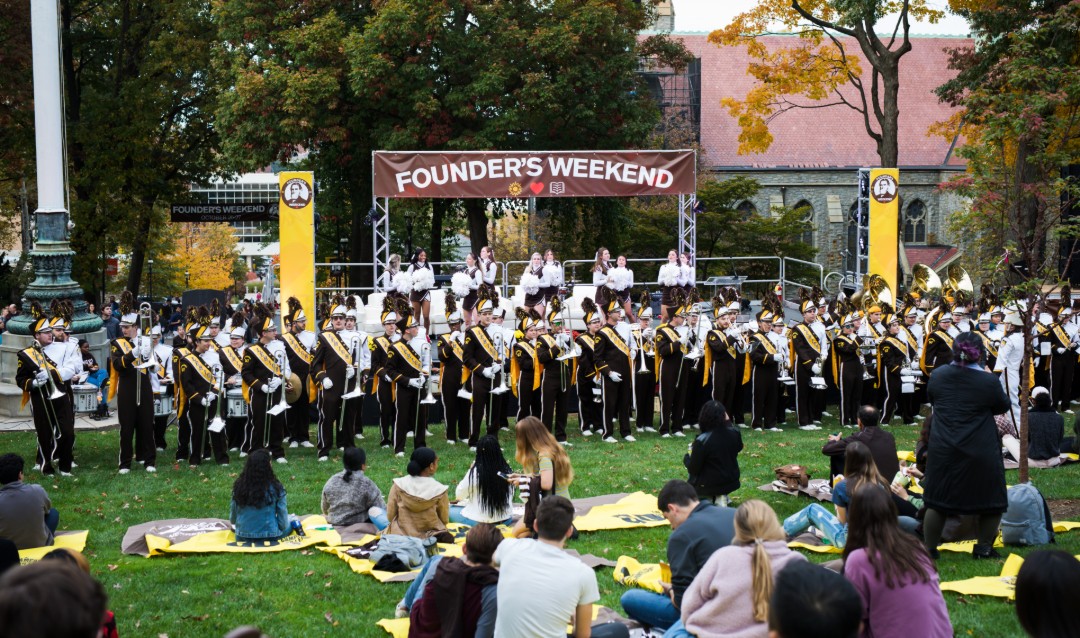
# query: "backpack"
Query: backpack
{"points": [[410, 551], [1027, 520]]}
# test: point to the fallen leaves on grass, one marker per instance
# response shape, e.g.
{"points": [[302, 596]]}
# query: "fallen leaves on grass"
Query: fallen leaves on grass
{"points": [[198, 618], [113, 568], [330, 619]]}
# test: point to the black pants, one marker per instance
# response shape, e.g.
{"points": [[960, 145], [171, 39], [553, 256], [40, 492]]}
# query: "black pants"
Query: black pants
{"points": [[724, 382], [482, 404], [553, 392], [499, 406], [198, 419], [411, 417], [455, 408], [296, 418], [329, 406], [54, 445], [696, 393], [895, 400], [851, 382], [136, 424], [618, 397], [644, 398], [590, 413], [528, 399], [802, 393], [387, 411], [765, 389], [265, 431], [1062, 370], [673, 381], [737, 409]]}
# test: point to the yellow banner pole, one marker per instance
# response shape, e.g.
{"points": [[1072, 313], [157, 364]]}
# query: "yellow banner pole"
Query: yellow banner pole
{"points": [[884, 248], [296, 228]]}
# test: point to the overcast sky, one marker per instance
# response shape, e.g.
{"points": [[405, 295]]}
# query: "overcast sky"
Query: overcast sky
{"points": [[706, 15]]}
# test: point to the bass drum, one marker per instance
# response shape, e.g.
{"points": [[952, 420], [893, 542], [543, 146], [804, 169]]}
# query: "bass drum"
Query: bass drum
{"points": [[235, 407]]}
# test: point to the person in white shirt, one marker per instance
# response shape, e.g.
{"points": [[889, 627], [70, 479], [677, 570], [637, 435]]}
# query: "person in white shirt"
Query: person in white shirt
{"points": [[623, 280], [542, 588]]}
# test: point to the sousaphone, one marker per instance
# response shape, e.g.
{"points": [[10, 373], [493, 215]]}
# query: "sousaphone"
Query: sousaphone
{"points": [[958, 284], [925, 282]]}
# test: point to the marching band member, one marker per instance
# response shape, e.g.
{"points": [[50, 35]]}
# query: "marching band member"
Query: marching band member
{"points": [[806, 352], [622, 279], [483, 366], [1010, 359], [721, 354], [820, 326], [534, 284], [161, 381], [53, 418], [299, 344], [131, 386], [423, 280], [937, 351], [668, 280], [848, 371], [589, 381], [870, 329], [182, 345], [380, 386], [331, 367], [615, 363], [215, 324], [645, 381], [762, 371], [232, 364], [694, 372], [525, 369], [671, 348], [989, 342], [64, 352], [960, 320], [198, 398], [893, 358], [557, 375], [451, 362], [353, 337], [781, 338], [500, 404], [405, 370], [262, 383]]}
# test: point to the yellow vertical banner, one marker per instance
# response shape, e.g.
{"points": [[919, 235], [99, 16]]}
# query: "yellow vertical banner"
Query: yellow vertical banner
{"points": [[296, 229], [884, 248]]}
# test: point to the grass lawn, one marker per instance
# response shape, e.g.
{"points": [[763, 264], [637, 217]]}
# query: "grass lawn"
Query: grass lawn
{"points": [[311, 593]]}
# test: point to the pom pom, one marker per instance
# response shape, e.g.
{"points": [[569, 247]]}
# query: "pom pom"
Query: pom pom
{"points": [[531, 283], [460, 284], [669, 275], [423, 279]]}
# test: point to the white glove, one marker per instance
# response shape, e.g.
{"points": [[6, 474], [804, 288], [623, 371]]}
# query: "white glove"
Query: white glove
{"points": [[145, 353], [274, 383], [461, 338], [816, 368], [208, 399], [350, 372], [489, 371], [81, 378], [327, 383], [685, 339], [1059, 350], [598, 380], [562, 339], [778, 357], [614, 376], [915, 365], [266, 388], [41, 378], [417, 383], [456, 335], [387, 378]]}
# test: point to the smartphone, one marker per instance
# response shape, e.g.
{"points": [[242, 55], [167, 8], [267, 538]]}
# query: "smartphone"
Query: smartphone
{"points": [[504, 475]]}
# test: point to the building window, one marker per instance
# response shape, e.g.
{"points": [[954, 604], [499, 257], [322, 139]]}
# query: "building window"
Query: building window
{"points": [[807, 210], [746, 210], [915, 223]]}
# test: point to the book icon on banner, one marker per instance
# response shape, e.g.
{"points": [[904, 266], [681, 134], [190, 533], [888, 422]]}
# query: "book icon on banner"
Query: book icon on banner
{"points": [[557, 188]]}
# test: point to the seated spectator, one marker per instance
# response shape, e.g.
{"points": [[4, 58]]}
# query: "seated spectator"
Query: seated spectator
{"points": [[713, 461], [892, 572], [9, 555], [859, 469], [730, 595], [460, 599], [484, 496], [809, 601], [882, 444], [1046, 430], [96, 376], [1046, 594], [540, 454], [51, 598], [27, 517], [541, 586], [258, 510], [78, 559], [418, 504], [699, 528], [349, 497]]}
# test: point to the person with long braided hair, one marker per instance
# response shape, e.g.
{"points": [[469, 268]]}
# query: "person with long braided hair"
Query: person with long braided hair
{"points": [[484, 496]]}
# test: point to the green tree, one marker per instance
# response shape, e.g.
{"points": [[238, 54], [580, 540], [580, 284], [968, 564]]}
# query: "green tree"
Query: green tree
{"points": [[823, 67]]}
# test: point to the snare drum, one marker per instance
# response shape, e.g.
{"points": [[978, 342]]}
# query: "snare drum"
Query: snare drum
{"points": [[235, 406], [163, 403], [85, 397]]}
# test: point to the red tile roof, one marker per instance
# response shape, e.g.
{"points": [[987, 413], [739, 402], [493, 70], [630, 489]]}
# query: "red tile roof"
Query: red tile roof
{"points": [[829, 137], [937, 257]]}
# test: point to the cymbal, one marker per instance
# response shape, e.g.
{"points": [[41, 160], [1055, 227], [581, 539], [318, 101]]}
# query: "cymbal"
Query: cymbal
{"points": [[292, 394]]}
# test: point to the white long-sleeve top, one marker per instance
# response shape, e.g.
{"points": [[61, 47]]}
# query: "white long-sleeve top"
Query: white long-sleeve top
{"points": [[600, 277], [489, 270], [687, 276]]}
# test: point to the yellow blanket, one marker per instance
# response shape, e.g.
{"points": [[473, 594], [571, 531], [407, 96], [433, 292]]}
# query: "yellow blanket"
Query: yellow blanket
{"points": [[399, 627], [71, 540], [633, 510], [365, 566], [317, 532]]}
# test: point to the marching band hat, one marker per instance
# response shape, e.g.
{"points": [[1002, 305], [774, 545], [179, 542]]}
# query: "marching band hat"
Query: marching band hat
{"points": [[41, 322], [554, 309], [338, 310], [155, 331], [216, 321], [911, 311], [612, 305], [237, 332], [645, 312], [807, 306], [984, 317], [891, 319], [874, 308], [589, 311], [1014, 318], [498, 313], [766, 315], [960, 310], [296, 311], [848, 320], [945, 318], [388, 314], [202, 333], [1045, 318]]}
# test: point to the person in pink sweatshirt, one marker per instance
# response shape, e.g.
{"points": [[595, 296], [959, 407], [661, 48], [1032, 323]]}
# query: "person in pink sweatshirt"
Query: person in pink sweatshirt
{"points": [[729, 598]]}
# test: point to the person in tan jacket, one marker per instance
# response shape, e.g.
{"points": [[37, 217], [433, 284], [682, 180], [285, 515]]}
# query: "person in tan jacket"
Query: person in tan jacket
{"points": [[418, 505]]}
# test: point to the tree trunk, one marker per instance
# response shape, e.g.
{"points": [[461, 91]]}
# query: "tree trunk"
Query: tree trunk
{"points": [[888, 147], [438, 211], [476, 213], [138, 251], [361, 247]]}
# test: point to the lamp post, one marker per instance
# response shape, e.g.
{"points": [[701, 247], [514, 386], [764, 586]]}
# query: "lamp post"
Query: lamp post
{"points": [[343, 245]]}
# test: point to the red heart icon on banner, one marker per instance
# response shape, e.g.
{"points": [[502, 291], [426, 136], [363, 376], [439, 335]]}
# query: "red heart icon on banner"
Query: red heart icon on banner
{"points": [[536, 188]]}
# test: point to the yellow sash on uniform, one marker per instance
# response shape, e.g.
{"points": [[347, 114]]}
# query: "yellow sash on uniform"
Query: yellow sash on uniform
{"points": [[485, 342], [42, 363], [807, 333], [297, 348], [881, 360], [406, 352], [265, 359], [114, 375], [458, 351], [944, 336], [515, 367], [766, 343], [195, 361], [233, 357], [378, 342], [339, 347]]}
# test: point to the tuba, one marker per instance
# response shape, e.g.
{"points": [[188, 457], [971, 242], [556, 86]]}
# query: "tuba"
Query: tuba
{"points": [[958, 283], [925, 282]]}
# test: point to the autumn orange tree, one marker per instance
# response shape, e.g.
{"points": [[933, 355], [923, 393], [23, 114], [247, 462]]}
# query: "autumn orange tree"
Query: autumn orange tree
{"points": [[188, 256], [823, 66]]}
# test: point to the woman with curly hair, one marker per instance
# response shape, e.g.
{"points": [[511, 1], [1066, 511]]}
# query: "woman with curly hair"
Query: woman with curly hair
{"points": [[484, 496], [258, 510]]}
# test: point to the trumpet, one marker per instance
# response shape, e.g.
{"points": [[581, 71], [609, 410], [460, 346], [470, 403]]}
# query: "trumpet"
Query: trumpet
{"points": [[218, 423], [426, 358], [145, 310]]}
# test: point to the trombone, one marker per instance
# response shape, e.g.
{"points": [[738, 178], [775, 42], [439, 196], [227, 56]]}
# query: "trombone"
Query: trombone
{"points": [[426, 358], [145, 311], [498, 343], [54, 393], [218, 423], [358, 388]]}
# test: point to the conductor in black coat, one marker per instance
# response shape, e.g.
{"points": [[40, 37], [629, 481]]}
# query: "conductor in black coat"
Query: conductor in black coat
{"points": [[965, 474]]}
